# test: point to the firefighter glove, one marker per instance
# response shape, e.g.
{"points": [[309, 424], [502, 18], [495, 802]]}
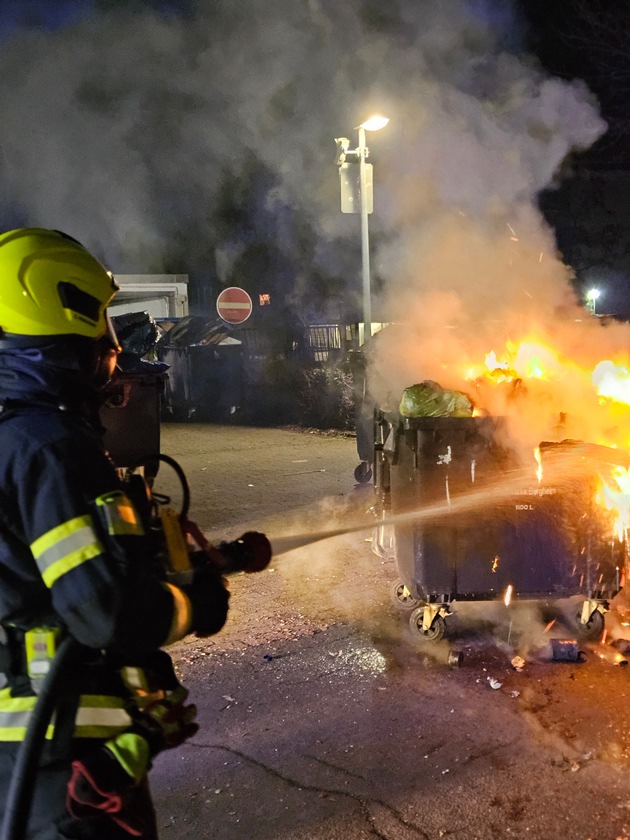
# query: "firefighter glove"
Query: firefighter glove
{"points": [[209, 598], [168, 722]]}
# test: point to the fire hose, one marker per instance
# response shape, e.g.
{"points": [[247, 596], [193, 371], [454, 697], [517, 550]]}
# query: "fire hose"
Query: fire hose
{"points": [[19, 797], [250, 553]]}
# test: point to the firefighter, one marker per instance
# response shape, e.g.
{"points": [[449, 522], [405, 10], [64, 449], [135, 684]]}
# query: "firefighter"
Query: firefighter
{"points": [[77, 560]]}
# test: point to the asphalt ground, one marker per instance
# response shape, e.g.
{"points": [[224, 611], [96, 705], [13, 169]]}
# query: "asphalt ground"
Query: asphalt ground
{"points": [[324, 716]]}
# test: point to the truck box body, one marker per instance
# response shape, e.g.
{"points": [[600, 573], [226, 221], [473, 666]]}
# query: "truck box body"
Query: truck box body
{"points": [[161, 295]]}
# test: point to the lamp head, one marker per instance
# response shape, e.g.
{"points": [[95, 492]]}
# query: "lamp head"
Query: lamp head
{"points": [[375, 123]]}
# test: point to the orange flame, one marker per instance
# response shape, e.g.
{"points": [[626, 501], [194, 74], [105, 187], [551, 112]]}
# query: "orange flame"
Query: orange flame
{"points": [[539, 468], [617, 499], [523, 360], [612, 381], [608, 383]]}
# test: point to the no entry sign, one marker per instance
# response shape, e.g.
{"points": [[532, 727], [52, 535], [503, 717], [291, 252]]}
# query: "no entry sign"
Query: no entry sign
{"points": [[234, 305]]}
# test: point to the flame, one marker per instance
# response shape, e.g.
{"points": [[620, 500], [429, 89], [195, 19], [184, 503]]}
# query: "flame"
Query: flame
{"points": [[617, 499], [534, 361], [539, 468], [612, 381], [508, 595], [522, 360], [576, 388], [493, 363]]}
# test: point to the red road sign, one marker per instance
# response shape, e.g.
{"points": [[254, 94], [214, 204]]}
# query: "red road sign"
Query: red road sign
{"points": [[234, 305]]}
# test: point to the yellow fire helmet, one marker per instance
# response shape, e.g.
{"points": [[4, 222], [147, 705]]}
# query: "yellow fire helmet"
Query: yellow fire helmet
{"points": [[50, 285]]}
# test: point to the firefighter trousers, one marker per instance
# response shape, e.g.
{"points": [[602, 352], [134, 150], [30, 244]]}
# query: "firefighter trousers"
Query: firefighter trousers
{"points": [[49, 819]]}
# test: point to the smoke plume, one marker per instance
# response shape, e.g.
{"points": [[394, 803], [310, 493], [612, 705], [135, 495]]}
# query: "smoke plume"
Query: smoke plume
{"points": [[172, 141]]}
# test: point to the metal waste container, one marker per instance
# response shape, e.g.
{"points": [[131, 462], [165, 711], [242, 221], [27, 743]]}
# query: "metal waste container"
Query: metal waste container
{"points": [[544, 538], [205, 380]]}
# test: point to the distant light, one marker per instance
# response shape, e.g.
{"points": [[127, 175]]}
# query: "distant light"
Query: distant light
{"points": [[264, 299], [593, 294], [375, 123]]}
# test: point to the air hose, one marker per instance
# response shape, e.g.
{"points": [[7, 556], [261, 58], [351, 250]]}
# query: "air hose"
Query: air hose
{"points": [[179, 472], [20, 795]]}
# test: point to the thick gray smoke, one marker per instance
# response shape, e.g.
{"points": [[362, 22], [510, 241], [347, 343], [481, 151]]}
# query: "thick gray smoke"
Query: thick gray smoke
{"points": [[203, 142], [129, 129]]}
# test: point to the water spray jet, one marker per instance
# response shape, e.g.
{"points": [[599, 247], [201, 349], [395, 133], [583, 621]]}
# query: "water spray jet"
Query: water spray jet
{"points": [[490, 494]]}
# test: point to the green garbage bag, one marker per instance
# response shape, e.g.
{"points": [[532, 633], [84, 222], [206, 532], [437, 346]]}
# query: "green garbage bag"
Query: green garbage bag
{"points": [[428, 399]]}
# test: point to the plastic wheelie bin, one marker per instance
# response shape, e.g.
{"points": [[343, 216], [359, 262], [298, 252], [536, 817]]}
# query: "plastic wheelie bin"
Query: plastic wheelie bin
{"points": [[544, 538]]}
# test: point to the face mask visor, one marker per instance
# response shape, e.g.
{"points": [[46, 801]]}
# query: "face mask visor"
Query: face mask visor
{"points": [[110, 338], [105, 358]]}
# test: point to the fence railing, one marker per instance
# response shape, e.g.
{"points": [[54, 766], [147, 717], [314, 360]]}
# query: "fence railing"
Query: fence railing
{"points": [[319, 343]]}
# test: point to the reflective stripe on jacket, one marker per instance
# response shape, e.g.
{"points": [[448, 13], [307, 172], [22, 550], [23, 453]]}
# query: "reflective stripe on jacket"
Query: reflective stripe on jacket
{"points": [[66, 546], [98, 716]]}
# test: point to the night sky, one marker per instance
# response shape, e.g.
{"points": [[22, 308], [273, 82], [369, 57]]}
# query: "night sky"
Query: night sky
{"points": [[590, 40]]}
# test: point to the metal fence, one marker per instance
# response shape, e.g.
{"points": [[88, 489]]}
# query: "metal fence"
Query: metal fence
{"points": [[319, 343]]}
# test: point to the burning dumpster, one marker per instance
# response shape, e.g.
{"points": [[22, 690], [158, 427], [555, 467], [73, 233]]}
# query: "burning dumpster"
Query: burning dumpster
{"points": [[538, 529]]}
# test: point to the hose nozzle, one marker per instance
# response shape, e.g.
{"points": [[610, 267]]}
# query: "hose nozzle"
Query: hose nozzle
{"points": [[249, 553]]}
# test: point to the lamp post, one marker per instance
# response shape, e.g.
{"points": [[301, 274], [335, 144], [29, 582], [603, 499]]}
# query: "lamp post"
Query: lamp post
{"points": [[592, 297], [373, 124], [365, 206]]}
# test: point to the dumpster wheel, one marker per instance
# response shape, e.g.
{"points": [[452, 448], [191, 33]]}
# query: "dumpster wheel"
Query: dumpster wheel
{"points": [[593, 628], [401, 596], [363, 473], [436, 629]]}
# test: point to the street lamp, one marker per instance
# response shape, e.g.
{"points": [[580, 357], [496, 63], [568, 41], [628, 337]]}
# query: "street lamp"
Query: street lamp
{"points": [[592, 297], [374, 123]]}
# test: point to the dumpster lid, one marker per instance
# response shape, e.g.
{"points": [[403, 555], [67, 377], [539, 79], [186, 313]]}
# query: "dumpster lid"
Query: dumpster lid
{"points": [[195, 330]]}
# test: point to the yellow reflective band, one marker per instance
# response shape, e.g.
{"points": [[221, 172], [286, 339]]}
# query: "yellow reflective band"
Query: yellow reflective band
{"points": [[65, 547], [15, 713], [120, 515], [182, 614], [98, 716], [132, 753], [135, 678]]}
